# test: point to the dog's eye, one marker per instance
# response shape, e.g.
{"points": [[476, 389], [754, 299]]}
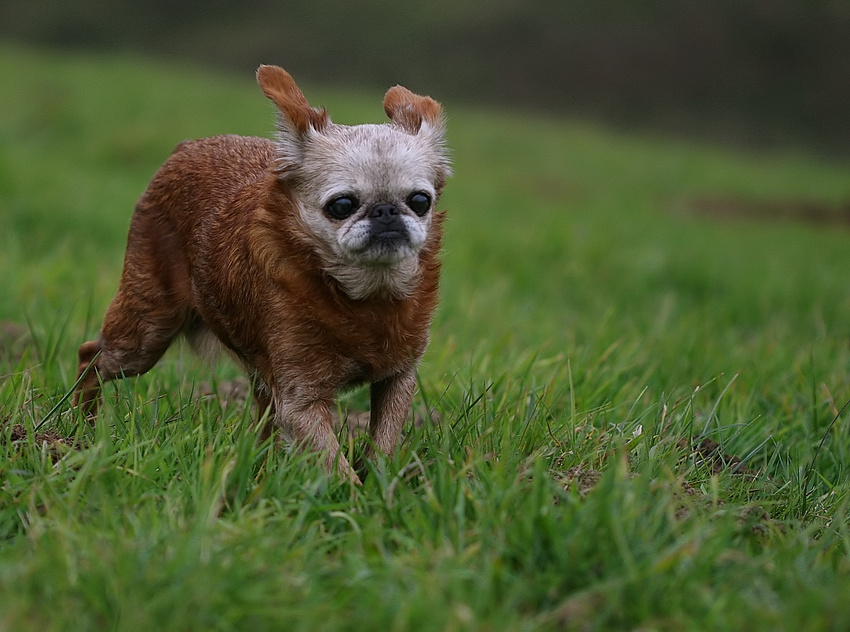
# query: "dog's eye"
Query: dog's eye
{"points": [[342, 207], [419, 202]]}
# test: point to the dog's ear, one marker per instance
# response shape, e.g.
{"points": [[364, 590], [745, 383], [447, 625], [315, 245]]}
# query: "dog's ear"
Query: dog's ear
{"points": [[410, 111], [421, 116], [279, 86], [297, 118]]}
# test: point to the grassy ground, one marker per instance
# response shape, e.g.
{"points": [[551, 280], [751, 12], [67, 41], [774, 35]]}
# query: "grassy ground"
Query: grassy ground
{"points": [[639, 396]]}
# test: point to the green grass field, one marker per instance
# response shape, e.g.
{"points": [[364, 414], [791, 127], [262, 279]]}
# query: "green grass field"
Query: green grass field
{"points": [[638, 391]]}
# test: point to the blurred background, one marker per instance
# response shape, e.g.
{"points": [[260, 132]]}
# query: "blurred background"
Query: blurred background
{"points": [[751, 72]]}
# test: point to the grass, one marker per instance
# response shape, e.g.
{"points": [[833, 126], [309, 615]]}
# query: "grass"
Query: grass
{"points": [[640, 406]]}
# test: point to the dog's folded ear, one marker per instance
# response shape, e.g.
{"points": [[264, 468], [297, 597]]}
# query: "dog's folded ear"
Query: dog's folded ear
{"points": [[409, 110]]}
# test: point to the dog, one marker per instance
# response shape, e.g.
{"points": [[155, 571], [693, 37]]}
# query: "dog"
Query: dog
{"points": [[312, 258]]}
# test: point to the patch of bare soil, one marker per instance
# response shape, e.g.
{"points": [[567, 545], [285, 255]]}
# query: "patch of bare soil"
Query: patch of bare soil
{"points": [[582, 479], [709, 452], [804, 211], [55, 444], [688, 498]]}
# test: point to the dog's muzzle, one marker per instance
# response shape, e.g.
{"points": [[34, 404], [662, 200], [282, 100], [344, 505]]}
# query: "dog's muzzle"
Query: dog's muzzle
{"points": [[386, 224]]}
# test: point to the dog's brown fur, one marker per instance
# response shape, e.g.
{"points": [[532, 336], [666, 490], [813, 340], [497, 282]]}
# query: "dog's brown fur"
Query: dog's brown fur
{"points": [[216, 244]]}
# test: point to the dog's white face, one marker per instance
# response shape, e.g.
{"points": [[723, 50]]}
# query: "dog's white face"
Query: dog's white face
{"points": [[367, 192]]}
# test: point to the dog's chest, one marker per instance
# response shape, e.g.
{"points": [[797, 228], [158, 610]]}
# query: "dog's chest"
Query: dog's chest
{"points": [[376, 344]]}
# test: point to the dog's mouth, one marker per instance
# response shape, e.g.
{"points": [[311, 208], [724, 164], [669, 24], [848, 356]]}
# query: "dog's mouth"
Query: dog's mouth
{"points": [[385, 242], [390, 236], [385, 248]]}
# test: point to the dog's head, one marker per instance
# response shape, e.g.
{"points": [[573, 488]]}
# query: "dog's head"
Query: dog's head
{"points": [[367, 193]]}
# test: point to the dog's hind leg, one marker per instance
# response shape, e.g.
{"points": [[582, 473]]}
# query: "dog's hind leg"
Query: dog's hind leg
{"points": [[151, 307], [135, 335]]}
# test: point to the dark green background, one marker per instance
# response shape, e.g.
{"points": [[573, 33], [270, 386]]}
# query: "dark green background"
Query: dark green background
{"points": [[763, 72]]}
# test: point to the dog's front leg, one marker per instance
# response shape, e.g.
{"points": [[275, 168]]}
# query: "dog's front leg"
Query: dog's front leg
{"points": [[311, 428], [391, 400]]}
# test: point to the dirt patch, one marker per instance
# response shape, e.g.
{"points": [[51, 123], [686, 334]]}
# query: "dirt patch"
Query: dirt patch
{"points": [[709, 452], [581, 479], [804, 211], [687, 497], [55, 444]]}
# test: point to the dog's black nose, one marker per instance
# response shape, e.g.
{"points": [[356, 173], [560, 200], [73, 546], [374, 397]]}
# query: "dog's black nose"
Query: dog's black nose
{"points": [[386, 222], [385, 213]]}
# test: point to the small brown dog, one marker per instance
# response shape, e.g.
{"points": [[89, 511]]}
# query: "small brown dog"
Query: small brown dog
{"points": [[313, 259]]}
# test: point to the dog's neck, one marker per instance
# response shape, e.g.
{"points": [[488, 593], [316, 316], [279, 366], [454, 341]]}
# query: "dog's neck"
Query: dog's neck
{"points": [[397, 281]]}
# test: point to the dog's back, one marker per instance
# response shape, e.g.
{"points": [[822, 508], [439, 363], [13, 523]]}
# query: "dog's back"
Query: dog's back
{"points": [[204, 176]]}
